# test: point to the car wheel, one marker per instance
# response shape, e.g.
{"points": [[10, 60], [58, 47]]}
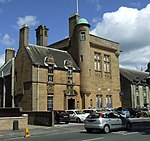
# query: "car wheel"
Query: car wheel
{"points": [[106, 129], [145, 115], [128, 126], [89, 130], [78, 120]]}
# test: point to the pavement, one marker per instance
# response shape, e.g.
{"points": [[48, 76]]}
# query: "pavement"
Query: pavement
{"points": [[33, 130]]}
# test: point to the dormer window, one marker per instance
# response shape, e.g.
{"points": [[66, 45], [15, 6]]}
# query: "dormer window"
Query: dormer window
{"points": [[50, 68], [70, 71], [82, 36], [50, 73]]}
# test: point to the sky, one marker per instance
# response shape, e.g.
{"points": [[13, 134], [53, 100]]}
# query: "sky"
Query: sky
{"points": [[124, 21]]}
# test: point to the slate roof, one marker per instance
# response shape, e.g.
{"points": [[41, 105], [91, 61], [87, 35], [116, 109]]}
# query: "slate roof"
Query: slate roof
{"points": [[132, 75], [37, 55], [6, 69]]}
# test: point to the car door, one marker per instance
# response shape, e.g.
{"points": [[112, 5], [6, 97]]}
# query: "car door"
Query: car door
{"points": [[114, 121], [71, 115]]}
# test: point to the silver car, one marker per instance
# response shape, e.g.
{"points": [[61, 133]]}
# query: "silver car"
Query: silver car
{"points": [[76, 115], [106, 122]]}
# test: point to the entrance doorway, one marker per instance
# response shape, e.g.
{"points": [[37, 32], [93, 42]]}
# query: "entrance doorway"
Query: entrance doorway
{"points": [[71, 103]]}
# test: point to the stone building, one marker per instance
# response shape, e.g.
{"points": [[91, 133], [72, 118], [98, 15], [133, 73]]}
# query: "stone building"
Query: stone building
{"points": [[98, 61], [134, 88], [45, 78], [81, 71]]}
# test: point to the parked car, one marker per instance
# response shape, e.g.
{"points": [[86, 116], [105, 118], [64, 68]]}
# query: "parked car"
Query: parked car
{"points": [[106, 122], [61, 116], [76, 115], [134, 112], [89, 111], [123, 111], [145, 112]]}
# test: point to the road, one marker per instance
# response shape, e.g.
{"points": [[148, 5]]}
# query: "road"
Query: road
{"points": [[76, 132]]}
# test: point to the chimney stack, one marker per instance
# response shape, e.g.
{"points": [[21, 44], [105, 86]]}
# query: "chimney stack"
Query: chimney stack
{"points": [[9, 54], [42, 35], [72, 23], [24, 36]]}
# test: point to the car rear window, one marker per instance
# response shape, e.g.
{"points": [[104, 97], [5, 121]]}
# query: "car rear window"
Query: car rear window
{"points": [[79, 112], [97, 115]]}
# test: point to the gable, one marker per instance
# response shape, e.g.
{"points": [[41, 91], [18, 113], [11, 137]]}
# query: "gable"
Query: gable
{"points": [[38, 54]]}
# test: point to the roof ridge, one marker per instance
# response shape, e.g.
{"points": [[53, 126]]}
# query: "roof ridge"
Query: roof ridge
{"points": [[133, 70], [48, 48]]}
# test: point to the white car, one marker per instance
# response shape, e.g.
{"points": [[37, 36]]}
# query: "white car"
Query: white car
{"points": [[76, 115], [89, 111]]}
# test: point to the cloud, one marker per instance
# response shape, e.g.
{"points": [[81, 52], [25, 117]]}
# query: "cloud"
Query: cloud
{"points": [[4, 1], [129, 27], [2, 59], [29, 20], [7, 41]]}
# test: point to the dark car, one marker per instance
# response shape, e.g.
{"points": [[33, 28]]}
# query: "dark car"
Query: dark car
{"points": [[134, 112], [123, 111], [61, 116]]}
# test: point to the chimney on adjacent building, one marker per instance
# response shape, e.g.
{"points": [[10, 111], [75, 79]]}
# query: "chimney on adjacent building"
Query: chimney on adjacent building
{"points": [[24, 36], [42, 35], [9, 54], [72, 23]]}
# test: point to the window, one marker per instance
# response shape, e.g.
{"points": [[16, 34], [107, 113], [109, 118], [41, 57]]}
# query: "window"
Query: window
{"points": [[112, 115], [70, 71], [82, 36], [97, 61], [50, 68], [99, 101], [107, 66], [46, 32], [145, 100], [109, 101], [81, 58], [137, 101], [49, 103], [144, 95], [50, 78], [50, 73], [137, 88], [106, 63]]}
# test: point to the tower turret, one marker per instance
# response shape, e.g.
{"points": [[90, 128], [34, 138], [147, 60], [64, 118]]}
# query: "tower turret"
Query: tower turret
{"points": [[83, 48]]}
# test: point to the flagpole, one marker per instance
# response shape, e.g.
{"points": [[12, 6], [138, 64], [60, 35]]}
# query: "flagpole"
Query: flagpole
{"points": [[77, 7]]}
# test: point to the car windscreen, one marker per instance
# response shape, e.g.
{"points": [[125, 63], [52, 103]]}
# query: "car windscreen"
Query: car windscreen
{"points": [[79, 112]]}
